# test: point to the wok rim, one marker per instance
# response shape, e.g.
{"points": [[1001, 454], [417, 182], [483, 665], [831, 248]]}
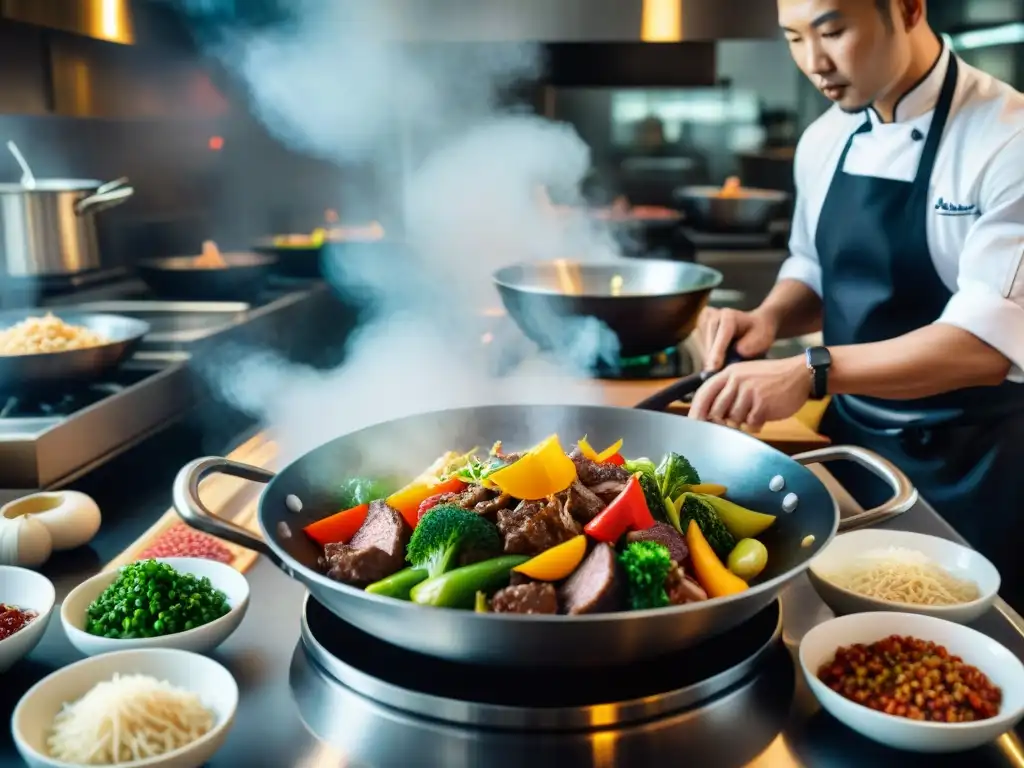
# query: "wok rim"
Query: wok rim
{"points": [[293, 567], [636, 264], [708, 192], [141, 326], [256, 261]]}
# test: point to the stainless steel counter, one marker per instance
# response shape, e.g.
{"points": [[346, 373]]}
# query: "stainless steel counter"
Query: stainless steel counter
{"points": [[268, 731]]}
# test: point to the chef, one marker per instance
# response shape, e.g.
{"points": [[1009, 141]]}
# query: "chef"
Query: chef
{"points": [[906, 252]]}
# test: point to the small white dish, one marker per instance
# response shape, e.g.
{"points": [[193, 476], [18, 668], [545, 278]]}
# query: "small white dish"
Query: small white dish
{"points": [[29, 591], [34, 715], [999, 664], [199, 640], [962, 562]]}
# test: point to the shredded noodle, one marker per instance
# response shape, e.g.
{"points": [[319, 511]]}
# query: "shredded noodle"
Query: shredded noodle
{"points": [[131, 717], [904, 576]]}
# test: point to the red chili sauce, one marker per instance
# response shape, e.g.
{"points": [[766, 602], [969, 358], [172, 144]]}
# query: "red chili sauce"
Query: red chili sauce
{"points": [[13, 619]]}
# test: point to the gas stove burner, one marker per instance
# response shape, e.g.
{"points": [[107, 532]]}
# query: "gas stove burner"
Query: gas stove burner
{"points": [[53, 403], [671, 363], [546, 698], [511, 351]]}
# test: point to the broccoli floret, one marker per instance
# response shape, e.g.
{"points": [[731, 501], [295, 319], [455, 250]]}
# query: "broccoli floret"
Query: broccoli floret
{"points": [[657, 504], [646, 564], [446, 531], [674, 472], [692, 507]]}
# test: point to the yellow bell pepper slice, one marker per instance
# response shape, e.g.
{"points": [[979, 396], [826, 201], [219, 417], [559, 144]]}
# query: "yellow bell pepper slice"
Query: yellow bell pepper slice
{"points": [[541, 472], [556, 563], [741, 522], [589, 453], [708, 489], [717, 580]]}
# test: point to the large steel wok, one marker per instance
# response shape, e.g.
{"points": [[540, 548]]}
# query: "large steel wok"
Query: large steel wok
{"points": [[721, 455], [650, 304]]}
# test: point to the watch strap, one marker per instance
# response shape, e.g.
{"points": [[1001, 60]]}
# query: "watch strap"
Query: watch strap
{"points": [[819, 360]]}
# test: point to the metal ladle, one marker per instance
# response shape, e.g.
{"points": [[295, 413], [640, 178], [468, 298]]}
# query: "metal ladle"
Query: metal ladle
{"points": [[28, 180]]}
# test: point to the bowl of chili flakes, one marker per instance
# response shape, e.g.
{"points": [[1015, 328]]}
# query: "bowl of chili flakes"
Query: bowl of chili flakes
{"points": [[914, 682], [26, 602]]}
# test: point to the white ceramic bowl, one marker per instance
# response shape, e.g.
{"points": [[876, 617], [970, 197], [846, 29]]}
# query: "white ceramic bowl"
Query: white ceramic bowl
{"points": [[199, 640], [999, 664], [33, 717], [28, 590], [962, 562]]}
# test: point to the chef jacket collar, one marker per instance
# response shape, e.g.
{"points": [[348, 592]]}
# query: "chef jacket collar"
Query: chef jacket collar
{"points": [[922, 96]]}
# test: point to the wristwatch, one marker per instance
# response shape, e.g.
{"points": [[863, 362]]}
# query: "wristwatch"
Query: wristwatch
{"points": [[819, 360]]}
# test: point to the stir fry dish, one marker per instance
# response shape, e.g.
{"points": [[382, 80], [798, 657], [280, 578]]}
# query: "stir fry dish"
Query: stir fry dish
{"points": [[545, 531]]}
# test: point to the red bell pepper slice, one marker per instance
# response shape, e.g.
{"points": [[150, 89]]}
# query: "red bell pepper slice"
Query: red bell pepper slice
{"points": [[407, 501], [339, 527], [432, 501], [628, 511], [616, 459]]}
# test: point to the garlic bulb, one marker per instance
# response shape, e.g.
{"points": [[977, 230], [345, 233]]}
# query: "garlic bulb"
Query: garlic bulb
{"points": [[71, 517], [24, 541]]}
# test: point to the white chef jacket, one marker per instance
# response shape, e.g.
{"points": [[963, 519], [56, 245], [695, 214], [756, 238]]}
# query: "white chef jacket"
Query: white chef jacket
{"points": [[975, 214]]}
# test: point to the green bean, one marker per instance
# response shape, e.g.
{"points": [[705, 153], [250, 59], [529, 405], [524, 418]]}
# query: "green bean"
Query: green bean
{"points": [[458, 588]]}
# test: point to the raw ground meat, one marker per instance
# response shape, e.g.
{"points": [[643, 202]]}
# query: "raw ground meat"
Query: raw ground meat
{"points": [[182, 541]]}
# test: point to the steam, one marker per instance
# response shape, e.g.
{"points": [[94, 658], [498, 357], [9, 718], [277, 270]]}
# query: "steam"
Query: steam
{"points": [[464, 173]]}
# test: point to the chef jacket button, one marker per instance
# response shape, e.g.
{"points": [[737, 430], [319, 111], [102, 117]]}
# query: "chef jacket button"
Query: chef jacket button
{"points": [[916, 135]]}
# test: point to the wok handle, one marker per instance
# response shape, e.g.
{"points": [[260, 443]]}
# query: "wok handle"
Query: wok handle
{"points": [[904, 493], [192, 510], [677, 390], [685, 386]]}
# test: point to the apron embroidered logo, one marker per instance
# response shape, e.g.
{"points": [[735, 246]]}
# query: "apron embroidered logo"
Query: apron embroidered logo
{"points": [[944, 208]]}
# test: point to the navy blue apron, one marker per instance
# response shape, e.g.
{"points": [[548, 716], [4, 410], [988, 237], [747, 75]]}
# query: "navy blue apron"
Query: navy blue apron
{"points": [[963, 450]]}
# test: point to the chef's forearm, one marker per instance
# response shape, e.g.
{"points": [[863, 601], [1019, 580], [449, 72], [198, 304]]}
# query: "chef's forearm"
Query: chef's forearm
{"points": [[929, 361], [793, 308]]}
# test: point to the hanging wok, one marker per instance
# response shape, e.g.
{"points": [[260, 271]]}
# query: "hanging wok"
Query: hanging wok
{"points": [[721, 455], [650, 304]]}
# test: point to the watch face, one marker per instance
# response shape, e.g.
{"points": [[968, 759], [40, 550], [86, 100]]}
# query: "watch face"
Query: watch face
{"points": [[818, 357]]}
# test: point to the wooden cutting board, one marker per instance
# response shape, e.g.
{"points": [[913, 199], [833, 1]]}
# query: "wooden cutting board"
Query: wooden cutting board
{"points": [[791, 436]]}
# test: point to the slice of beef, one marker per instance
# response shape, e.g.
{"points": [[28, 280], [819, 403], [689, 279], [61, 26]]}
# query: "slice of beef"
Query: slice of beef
{"points": [[493, 506], [516, 578], [663, 533], [468, 497], [604, 480], [533, 597], [595, 586], [376, 551], [608, 490], [681, 588], [534, 526], [591, 473], [582, 503]]}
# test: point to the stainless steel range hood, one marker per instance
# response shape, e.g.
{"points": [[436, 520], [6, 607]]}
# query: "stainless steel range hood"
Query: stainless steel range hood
{"points": [[579, 21], [109, 20]]}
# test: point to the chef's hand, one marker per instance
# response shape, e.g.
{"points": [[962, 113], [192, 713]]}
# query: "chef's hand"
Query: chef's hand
{"points": [[746, 395], [753, 332]]}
